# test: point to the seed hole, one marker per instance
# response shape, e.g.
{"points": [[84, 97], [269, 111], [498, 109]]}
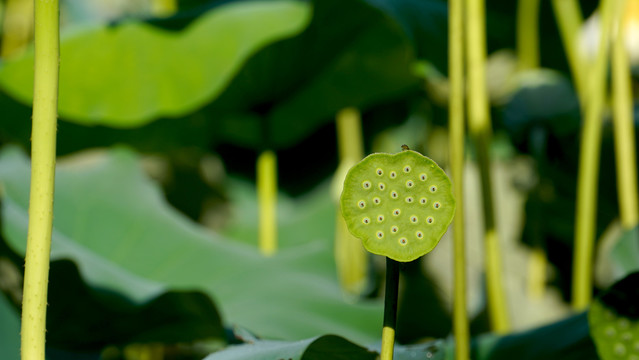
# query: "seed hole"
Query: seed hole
{"points": [[407, 169], [394, 229], [419, 234], [380, 234], [366, 220], [430, 220], [366, 184], [437, 205], [394, 194], [410, 183], [381, 186], [414, 219], [380, 218], [619, 349], [396, 212], [403, 241], [361, 204], [377, 200], [393, 174], [379, 171], [433, 188], [423, 177], [409, 199], [423, 201]]}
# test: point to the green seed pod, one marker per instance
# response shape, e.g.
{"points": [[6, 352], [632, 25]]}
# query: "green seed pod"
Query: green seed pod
{"points": [[399, 205], [614, 320]]}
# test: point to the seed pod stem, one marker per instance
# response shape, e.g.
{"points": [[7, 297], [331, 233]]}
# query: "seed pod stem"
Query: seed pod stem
{"points": [[390, 309]]}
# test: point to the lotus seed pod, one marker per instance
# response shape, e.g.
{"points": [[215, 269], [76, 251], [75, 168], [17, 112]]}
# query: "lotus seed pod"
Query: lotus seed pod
{"points": [[399, 205], [614, 320]]}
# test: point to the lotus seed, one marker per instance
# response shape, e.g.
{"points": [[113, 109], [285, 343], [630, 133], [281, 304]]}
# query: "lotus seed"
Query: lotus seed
{"points": [[620, 349], [361, 204], [409, 199], [437, 205], [377, 200], [433, 188], [414, 219], [409, 184], [407, 169], [636, 345], [380, 172], [610, 331], [423, 177], [380, 218], [396, 212], [366, 184], [394, 229], [419, 234], [403, 241], [623, 323], [423, 201], [382, 186], [366, 220], [393, 174], [380, 234], [430, 220], [626, 336], [394, 194]]}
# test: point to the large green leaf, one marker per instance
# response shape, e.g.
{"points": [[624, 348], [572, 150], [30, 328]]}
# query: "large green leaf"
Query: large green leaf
{"points": [[113, 223], [132, 73], [9, 330], [327, 347]]}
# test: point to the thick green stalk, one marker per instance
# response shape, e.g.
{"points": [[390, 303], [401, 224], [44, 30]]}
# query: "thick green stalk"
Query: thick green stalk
{"points": [[625, 145], [164, 7], [267, 199], [350, 256], [588, 177], [390, 309], [456, 124], [569, 20], [17, 27], [43, 150], [528, 34], [481, 134]]}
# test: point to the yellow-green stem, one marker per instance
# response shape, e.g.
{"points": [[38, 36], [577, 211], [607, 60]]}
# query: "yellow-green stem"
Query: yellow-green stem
{"points": [[350, 256], [625, 145], [528, 34], [267, 199], [43, 150], [569, 20], [164, 7], [390, 309], [456, 124], [481, 133], [588, 176], [17, 27]]}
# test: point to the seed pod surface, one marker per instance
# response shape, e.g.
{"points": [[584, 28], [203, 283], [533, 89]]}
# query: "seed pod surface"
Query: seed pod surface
{"points": [[399, 205]]}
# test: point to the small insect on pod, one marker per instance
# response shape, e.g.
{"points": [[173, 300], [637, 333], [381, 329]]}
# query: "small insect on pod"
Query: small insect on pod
{"points": [[398, 186]]}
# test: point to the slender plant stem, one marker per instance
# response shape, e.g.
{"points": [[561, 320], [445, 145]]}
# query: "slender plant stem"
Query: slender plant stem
{"points": [[588, 176], [350, 256], [164, 7], [17, 27], [625, 145], [528, 34], [390, 309], [43, 150], [456, 123], [267, 199], [569, 20], [528, 55], [481, 134]]}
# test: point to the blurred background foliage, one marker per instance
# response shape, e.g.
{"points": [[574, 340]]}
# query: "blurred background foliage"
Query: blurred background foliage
{"points": [[164, 108]]}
